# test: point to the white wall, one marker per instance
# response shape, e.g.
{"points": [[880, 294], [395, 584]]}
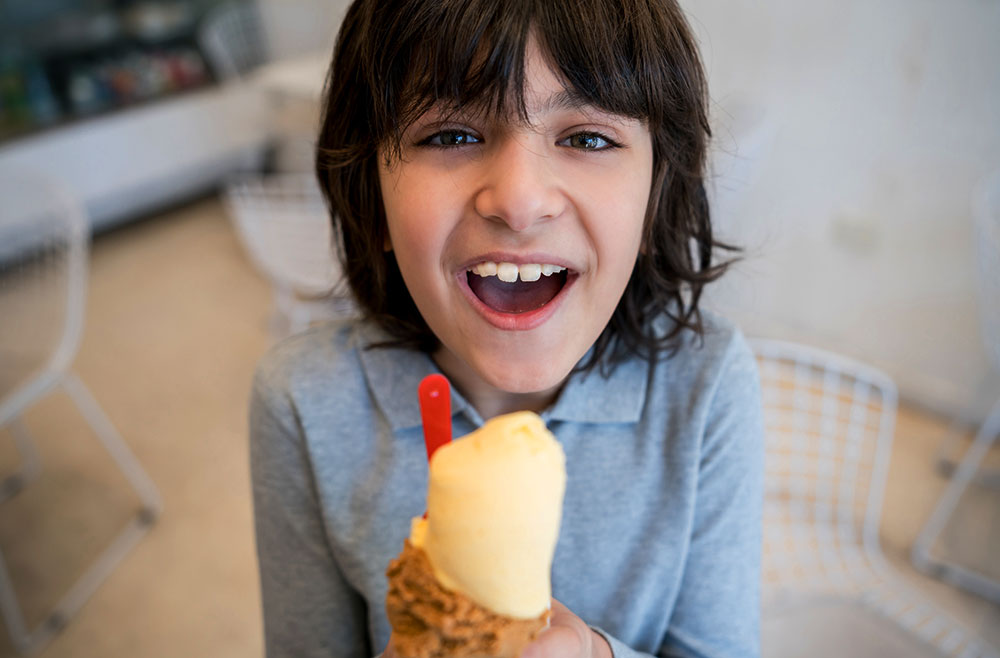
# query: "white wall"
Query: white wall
{"points": [[854, 199], [296, 27], [851, 135]]}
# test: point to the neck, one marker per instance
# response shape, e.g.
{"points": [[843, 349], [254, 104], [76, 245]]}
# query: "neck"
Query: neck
{"points": [[489, 400]]}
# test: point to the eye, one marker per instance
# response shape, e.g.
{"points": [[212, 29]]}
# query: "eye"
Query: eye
{"points": [[450, 138], [589, 142]]}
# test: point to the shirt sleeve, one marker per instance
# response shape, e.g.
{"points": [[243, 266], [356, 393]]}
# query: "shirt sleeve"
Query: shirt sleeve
{"points": [[717, 613], [310, 610]]}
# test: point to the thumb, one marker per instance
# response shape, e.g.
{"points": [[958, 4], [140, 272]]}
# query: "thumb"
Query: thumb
{"points": [[554, 642], [562, 637]]}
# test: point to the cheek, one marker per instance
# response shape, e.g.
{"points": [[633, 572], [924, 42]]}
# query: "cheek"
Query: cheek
{"points": [[619, 222], [638, 204], [403, 214], [412, 243], [417, 234]]}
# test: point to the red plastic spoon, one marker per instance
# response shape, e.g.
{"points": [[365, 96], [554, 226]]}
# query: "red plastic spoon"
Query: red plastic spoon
{"points": [[435, 411]]}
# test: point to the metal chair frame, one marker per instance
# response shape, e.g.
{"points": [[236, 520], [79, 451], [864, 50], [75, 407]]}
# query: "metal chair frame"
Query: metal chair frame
{"points": [[53, 375], [285, 227], [829, 424], [231, 35], [986, 218]]}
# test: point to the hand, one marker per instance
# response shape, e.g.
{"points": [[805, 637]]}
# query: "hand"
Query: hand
{"points": [[567, 636]]}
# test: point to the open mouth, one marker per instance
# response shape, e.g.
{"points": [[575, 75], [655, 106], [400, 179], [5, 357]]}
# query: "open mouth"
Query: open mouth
{"points": [[510, 288]]}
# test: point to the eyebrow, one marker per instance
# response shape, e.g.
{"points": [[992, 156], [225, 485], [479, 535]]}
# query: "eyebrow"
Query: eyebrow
{"points": [[567, 99], [571, 99]]}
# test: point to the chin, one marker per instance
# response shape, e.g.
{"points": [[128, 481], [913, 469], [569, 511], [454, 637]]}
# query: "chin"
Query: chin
{"points": [[525, 376]]}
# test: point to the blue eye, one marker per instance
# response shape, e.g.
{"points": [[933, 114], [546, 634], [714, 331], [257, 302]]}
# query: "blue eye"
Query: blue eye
{"points": [[589, 142], [449, 138]]}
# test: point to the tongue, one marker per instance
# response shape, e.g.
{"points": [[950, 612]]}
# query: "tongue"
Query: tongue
{"points": [[517, 297]]}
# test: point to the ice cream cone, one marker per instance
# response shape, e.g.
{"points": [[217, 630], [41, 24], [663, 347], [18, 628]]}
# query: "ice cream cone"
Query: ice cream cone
{"points": [[473, 580]]}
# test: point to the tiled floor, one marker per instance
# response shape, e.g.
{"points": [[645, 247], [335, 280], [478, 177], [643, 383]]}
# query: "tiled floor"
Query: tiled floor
{"points": [[176, 321]]}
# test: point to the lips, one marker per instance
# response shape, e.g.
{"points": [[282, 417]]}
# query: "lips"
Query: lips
{"points": [[516, 297]]}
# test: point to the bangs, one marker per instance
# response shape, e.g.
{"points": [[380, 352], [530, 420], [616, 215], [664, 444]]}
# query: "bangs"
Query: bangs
{"points": [[470, 56]]}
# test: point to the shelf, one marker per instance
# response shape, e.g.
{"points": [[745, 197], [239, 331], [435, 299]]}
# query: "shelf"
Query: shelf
{"points": [[60, 65], [125, 163]]}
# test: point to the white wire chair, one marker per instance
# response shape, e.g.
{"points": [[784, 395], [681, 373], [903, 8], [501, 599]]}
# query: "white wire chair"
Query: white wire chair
{"points": [[986, 218], [284, 225], [827, 589], [231, 36], [43, 278]]}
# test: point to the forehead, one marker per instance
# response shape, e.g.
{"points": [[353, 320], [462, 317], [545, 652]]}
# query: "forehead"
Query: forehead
{"points": [[541, 90]]}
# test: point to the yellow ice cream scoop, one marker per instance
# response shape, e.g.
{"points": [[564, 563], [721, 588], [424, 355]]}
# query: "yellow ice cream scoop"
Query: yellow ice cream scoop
{"points": [[494, 503]]}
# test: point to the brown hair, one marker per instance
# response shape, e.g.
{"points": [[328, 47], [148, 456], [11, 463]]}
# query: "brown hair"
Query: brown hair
{"points": [[394, 59]]}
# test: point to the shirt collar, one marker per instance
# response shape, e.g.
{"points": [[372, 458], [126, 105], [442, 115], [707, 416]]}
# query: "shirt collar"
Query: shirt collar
{"points": [[590, 397], [395, 373]]}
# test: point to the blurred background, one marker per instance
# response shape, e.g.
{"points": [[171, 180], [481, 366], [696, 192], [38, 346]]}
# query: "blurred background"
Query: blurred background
{"points": [[854, 143]]}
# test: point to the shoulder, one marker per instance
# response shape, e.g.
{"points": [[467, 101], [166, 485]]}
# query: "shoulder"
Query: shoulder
{"points": [[728, 347], [325, 358], [708, 381], [704, 362], [736, 381]]}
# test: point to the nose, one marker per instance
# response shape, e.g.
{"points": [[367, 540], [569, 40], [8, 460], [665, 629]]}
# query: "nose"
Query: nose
{"points": [[520, 185]]}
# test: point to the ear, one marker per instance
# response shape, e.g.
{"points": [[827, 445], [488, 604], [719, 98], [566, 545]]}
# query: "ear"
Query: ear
{"points": [[387, 243]]}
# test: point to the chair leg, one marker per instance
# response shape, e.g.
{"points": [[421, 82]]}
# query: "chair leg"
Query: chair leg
{"points": [[30, 466], [963, 476], [113, 443], [28, 642], [946, 461]]}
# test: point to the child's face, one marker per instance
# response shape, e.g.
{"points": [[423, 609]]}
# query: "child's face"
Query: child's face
{"points": [[569, 190]]}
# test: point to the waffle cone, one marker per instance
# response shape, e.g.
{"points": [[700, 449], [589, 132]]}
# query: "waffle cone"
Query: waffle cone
{"points": [[429, 621]]}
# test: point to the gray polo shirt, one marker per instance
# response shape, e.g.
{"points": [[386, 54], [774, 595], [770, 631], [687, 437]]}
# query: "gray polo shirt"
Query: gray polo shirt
{"points": [[659, 548]]}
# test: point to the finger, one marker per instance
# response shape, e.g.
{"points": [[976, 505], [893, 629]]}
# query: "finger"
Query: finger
{"points": [[558, 608], [554, 642]]}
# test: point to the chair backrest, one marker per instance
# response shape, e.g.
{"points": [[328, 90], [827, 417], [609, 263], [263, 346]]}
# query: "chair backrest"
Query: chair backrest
{"points": [[829, 423], [285, 227], [232, 38], [986, 231], [44, 237]]}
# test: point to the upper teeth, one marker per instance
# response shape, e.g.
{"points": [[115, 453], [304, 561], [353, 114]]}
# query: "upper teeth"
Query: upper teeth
{"points": [[509, 272]]}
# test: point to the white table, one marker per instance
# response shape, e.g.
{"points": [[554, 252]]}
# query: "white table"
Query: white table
{"points": [[300, 78], [295, 89]]}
